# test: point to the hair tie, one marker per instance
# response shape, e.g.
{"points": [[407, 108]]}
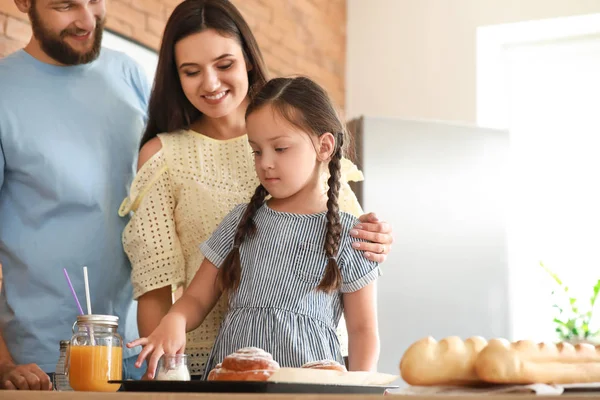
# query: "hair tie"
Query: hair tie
{"points": [[236, 246]]}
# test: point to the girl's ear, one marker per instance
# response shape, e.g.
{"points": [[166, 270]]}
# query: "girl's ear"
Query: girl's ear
{"points": [[326, 146]]}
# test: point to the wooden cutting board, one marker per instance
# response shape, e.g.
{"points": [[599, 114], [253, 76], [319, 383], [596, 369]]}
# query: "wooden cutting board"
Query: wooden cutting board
{"points": [[329, 377]]}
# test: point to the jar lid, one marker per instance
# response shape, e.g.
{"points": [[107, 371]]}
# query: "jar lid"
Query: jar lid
{"points": [[110, 320], [64, 343]]}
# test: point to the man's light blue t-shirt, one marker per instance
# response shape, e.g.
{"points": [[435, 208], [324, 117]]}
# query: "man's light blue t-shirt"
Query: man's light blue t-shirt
{"points": [[68, 147]]}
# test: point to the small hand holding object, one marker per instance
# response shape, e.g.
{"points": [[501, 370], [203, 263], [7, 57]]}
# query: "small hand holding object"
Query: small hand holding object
{"points": [[167, 338]]}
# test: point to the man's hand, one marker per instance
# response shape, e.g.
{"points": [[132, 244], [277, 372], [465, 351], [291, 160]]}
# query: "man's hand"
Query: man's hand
{"points": [[23, 377]]}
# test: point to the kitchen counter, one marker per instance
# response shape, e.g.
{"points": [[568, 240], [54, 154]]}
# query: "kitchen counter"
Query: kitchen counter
{"points": [[16, 395]]}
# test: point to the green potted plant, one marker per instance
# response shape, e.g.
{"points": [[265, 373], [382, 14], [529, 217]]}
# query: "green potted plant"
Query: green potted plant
{"points": [[573, 320]]}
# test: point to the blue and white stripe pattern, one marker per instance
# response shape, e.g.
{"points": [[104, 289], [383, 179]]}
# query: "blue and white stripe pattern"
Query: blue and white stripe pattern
{"points": [[277, 306]]}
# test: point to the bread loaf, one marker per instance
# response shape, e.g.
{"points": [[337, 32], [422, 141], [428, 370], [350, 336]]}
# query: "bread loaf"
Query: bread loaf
{"points": [[526, 362], [450, 361]]}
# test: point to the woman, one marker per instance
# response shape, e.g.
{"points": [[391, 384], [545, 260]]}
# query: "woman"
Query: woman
{"points": [[196, 164]]}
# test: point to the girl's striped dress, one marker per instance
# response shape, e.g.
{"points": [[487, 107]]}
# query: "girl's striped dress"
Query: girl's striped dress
{"points": [[277, 306]]}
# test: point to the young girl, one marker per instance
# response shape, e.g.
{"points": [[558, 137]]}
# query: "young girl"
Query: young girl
{"points": [[196, 164], [285, 260]]}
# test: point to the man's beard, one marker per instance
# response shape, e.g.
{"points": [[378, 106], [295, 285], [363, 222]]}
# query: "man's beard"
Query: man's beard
{"points": [[58, 49]]}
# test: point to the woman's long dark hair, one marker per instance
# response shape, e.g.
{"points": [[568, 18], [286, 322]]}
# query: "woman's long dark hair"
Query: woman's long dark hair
{"points": [[306, 105], [169, 110]]}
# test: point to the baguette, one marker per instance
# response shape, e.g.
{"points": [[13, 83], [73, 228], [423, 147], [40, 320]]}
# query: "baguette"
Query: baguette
{"points": [[447, 362], [526, 362]]}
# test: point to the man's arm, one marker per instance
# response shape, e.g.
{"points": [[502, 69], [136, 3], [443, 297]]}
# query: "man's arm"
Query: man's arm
{"points": [[5, 357], [2, 163], [22, 377]]}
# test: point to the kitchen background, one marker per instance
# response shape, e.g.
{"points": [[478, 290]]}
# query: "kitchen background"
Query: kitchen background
{"points": [[477, 130]]}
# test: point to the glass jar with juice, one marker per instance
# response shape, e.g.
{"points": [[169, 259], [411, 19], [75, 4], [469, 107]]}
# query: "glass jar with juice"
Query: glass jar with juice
{"points": [[95, 355]]}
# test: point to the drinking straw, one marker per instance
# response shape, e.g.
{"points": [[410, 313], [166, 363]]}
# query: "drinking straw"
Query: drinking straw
{"points": [[73, 292], [87, 300], [87, 291]]}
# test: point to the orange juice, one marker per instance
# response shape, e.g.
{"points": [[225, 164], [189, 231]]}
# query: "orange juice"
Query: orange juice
{"points": [[91, 367]]}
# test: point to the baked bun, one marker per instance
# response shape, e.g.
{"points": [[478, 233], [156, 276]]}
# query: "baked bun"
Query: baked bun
{"points": [[247, 364], [451, 361], [325, 364]]}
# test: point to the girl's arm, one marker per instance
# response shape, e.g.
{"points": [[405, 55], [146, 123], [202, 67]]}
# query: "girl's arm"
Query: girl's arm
{"points": [[360, 312], [200, 297], [152, 306], [186, 315]]}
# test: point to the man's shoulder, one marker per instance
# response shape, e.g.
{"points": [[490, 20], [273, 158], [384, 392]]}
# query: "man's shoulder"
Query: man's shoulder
{"points": [[15, 73], [10, 65], [118, 59], [117, 63]]}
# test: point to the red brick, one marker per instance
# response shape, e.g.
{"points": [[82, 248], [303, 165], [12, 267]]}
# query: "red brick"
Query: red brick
{"points": [[275, 72], [253, 22], [284, 22], [337, 11], [297, 36], [147, 38], [308, 7], [276, 62], [155, 25], [333, 65], [277, 6], [8, 46], [8, 7], [126, 14], [18, 30], [305, 34], [172, 3], [271, 32], [260, 11], [152, 7], [321, 4], [3, 18], [119, 26], [294, 44], [287, 55], [168, 10], [307, 68]]}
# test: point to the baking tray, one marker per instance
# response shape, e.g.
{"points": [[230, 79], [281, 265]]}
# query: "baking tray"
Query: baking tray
{"points": [[245, 387]]}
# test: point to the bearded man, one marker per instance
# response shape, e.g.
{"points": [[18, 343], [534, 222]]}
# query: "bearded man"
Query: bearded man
{"points": [[71, 119]]}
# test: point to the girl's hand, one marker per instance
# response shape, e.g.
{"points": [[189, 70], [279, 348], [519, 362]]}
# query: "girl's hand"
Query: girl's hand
{"points": [[167, 338], [375, 231]]}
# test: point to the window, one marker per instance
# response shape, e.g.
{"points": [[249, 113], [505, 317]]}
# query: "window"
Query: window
{"points": [[540, 80]]}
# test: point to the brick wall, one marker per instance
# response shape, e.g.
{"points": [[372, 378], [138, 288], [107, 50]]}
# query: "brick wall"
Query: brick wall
{"points": [[296, 36]]}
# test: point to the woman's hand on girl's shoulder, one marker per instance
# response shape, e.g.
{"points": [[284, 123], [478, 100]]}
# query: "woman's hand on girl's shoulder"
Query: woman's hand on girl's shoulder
{"points": [[148, 150], [378, 233]]}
